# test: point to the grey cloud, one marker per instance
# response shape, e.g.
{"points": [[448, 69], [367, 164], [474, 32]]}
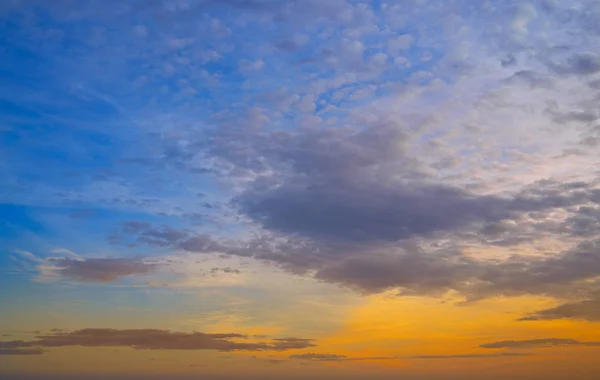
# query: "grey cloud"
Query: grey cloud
{"points": [[413, 270], [335, 357], [360, 211], [562, 274], [538, 343], [21, 351], [342, 204], [508, 61], [158, 236], [347, 185], [151, 339], [585, 63], [101, 270], [531, 78], [584, 310], [282, 344], [373, 266], [585, 222], [470, 356], [164, 236], [319, 357], [362, 186], [226, 270]]}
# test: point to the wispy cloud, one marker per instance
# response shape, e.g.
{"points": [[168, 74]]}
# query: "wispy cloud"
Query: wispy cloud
{"points": [[539, 343], [100, 270], [148, 339]]}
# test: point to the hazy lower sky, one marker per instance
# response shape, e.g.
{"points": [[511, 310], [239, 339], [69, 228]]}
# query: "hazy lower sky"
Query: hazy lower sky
{"points": [[300, 189]]}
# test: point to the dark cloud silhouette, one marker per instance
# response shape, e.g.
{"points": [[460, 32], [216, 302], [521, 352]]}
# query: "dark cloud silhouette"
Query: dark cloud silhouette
{"points": [[101, 270], [151, 339], [21, 351], [226, 270], [584, 310], [335, 358], [339, 358], [538, 343], [470, 356], [319, 357], [281, 344]]}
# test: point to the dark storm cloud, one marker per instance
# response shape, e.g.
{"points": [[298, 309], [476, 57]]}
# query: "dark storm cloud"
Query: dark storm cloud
{"points": [[538, 343], [150, 339], [101, 270]]}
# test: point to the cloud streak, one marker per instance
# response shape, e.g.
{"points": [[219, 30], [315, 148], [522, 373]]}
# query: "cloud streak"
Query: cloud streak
{"points": [[101, 270], [154, 339], [539, 343]]}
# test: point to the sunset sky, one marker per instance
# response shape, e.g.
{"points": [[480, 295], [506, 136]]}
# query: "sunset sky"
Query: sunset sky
{"points": [[300, 189]]}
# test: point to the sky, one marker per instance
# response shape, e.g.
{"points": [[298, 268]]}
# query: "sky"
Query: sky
{"points": [[299, 189]]}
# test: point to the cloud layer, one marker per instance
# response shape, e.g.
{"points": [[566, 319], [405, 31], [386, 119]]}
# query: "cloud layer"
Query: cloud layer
{"points": [[339, 140]]}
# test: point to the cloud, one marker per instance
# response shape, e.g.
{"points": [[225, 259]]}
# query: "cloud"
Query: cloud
{"points": [[142, 232], [335, 357], [399, 43], [151, 339], [341, 358], [98, 269], [21, 351], [584, 63], [374, 266], [226, 270], [329, 161], [359, 185], [282, 344], [28, 255], [247, 67], [157, 236], [584, 310], [538, 343], [470, 356]]}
